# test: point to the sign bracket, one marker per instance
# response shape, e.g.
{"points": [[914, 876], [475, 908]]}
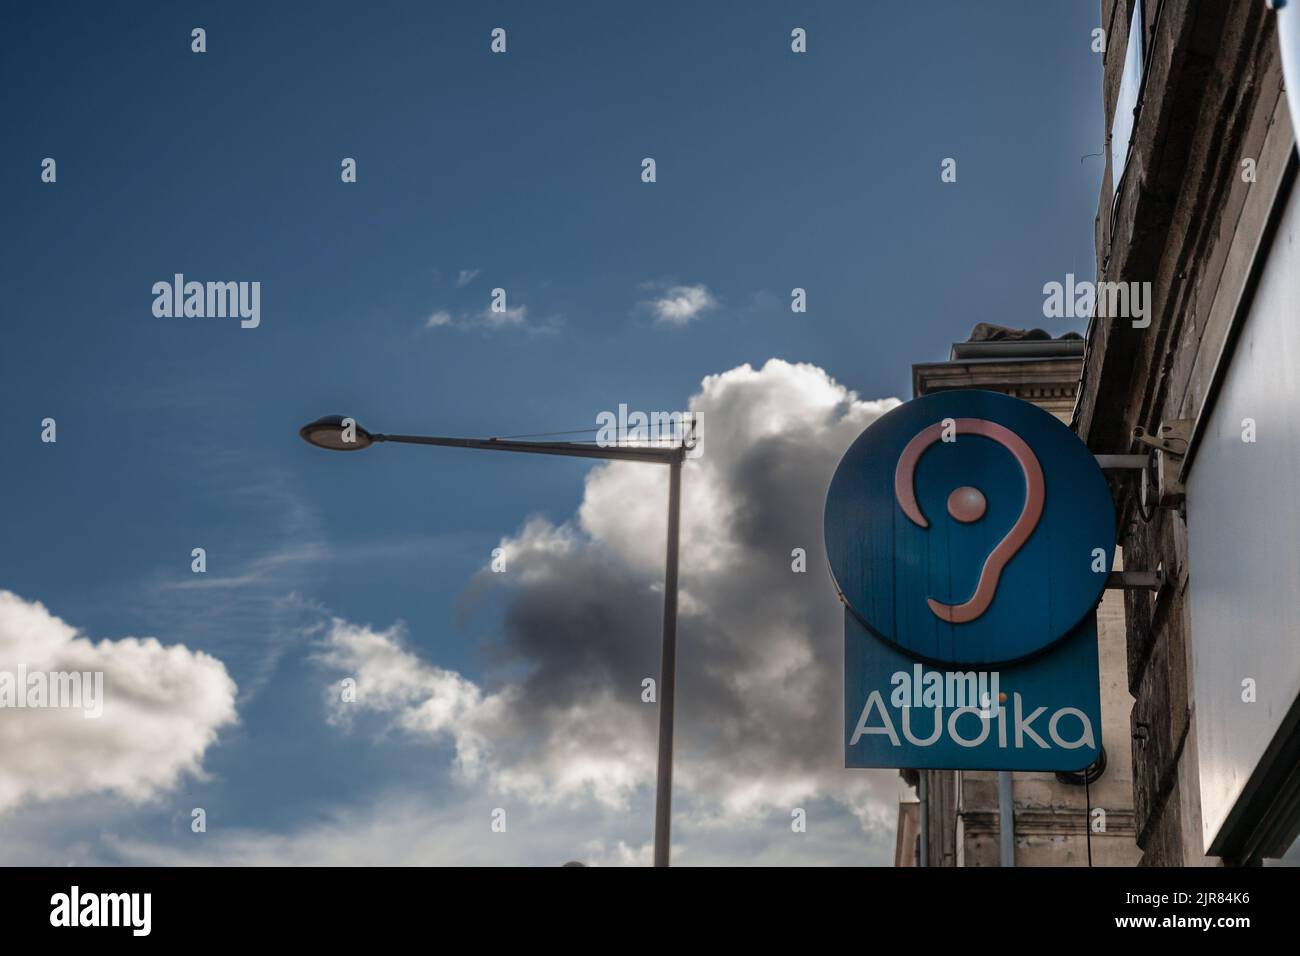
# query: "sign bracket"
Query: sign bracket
{"points": [[1135, 580]]}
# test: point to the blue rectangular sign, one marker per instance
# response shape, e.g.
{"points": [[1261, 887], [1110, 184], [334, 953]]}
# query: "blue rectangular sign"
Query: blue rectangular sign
{"points": [[1043, 713]]}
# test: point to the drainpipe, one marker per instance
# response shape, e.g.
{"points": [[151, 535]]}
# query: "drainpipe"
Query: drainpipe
{"points": [[1006, 821], [1288, 35]]}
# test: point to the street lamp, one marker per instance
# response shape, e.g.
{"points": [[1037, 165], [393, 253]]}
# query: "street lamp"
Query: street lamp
{"points": [[338, 433]]}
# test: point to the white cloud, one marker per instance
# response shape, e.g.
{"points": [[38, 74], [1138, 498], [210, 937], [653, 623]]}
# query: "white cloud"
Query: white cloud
{"points": [[512, 317], [425, 699], [465, 277], [760, 728], [555, 732], [681, 304], [163, 706], [406, 829], [490, 742], [516, 315]]}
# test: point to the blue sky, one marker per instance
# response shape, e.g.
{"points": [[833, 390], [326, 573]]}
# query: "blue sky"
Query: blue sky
{"points": [[475, 171]]}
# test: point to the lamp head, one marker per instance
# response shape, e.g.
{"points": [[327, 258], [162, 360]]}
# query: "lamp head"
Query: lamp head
{"points": [[336, 433]]}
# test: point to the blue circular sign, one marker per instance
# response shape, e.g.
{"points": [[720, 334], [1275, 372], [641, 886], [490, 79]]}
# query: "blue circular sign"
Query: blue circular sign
{"points": [[969, 527]]}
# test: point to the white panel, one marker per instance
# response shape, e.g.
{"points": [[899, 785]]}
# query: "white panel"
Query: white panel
{"points": [[1243, 513], [1130, 82]]}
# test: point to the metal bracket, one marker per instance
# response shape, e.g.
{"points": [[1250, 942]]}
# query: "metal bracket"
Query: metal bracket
{"points": [[1170, 446], [1122, 462], [1135, 580], [1172, 439], [1160, 469]]}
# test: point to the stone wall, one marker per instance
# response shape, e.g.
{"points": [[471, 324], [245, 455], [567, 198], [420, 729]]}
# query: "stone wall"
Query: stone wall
{"points": [[1187, 220]]}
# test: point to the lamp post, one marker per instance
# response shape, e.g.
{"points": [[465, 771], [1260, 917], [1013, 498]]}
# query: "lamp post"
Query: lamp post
{"points": [[337, 433]]}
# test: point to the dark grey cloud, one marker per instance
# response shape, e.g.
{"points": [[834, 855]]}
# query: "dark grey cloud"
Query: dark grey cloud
{"points": [[560, 718]]}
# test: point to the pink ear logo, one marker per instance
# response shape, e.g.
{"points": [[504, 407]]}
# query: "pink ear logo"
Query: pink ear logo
{"points": [[967, 504]]}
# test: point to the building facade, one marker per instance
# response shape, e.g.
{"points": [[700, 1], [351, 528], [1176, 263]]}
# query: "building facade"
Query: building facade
{"points": [[1198, 213]]}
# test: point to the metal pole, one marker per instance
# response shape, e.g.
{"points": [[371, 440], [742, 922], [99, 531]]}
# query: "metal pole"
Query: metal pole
{"points": [[923, 794], [1006, 821], [650, 453], [668, 670], [671, 456]]}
